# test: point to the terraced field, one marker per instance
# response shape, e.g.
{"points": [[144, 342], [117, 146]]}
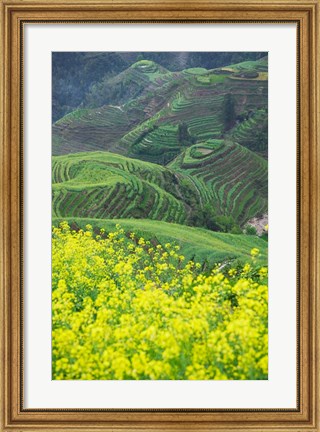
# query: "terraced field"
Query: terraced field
{"points": [[230, 176], [106, 185], [260, 65], [160, 145], [153, 100], [197, 244], [126, 85], [253, 132], [146, 88], [92, 129]]}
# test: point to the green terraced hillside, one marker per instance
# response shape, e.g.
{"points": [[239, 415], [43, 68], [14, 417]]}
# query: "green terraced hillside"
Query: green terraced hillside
{"points": [[196, 244], [248, 69], [104, 185], [126, 85], [154, 103], [198, 103], [252, 131], [77, 75], [213, 173], [229, 175]]}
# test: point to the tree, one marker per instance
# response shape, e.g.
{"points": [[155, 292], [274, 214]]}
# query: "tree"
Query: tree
{"points": [[250, 230], [261, 137], [184, 137], [228, 112], [208, 218]]}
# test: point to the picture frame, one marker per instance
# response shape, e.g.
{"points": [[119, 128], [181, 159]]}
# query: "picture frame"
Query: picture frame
{"points": [[14, 416]]}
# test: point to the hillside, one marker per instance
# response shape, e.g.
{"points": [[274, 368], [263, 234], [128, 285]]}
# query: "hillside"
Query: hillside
{"points": [[127, 85], [196, 244], [106, 185], [252, 131], [153, 106], [76, 74], [229, 175]]}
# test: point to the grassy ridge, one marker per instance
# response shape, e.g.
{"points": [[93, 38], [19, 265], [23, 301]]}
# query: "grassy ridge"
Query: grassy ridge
{"points": [[196, 243]]}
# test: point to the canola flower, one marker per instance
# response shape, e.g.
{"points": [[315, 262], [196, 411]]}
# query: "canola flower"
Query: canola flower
{"points": [[124, 308]]}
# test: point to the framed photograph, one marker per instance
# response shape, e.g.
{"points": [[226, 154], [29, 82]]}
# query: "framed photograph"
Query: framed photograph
{"points": [[160, 202]]}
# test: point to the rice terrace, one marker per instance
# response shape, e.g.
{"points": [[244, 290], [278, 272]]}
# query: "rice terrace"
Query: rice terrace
{"points": [[160, 216]]}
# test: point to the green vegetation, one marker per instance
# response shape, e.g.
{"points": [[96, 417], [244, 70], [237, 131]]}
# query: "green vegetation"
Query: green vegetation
{"points": [[106, 185], [184, 137], [150, 104], [208, 132], [248, 67], [194, 191], [250, 230], [76, 74], [252, 131], [228, 111], [196, 71], [231, 177]]}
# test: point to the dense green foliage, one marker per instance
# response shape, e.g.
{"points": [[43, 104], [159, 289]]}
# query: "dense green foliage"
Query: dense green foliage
{"points": [[228, 112], [252, 131]]}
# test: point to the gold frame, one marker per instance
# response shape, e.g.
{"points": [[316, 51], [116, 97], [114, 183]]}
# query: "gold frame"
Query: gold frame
{"points": [[13, 417]]}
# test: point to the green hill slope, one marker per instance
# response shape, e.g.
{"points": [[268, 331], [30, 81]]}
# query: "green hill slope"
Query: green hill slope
{"points": [[77, 74], [201, 245], [227, 174], [151, 100], [227, 177], [127, 85], [107, 185], [252, 131]]}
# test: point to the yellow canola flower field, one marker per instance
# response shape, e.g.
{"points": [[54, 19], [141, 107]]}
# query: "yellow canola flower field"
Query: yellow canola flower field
{"points": [[124, 308]]}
